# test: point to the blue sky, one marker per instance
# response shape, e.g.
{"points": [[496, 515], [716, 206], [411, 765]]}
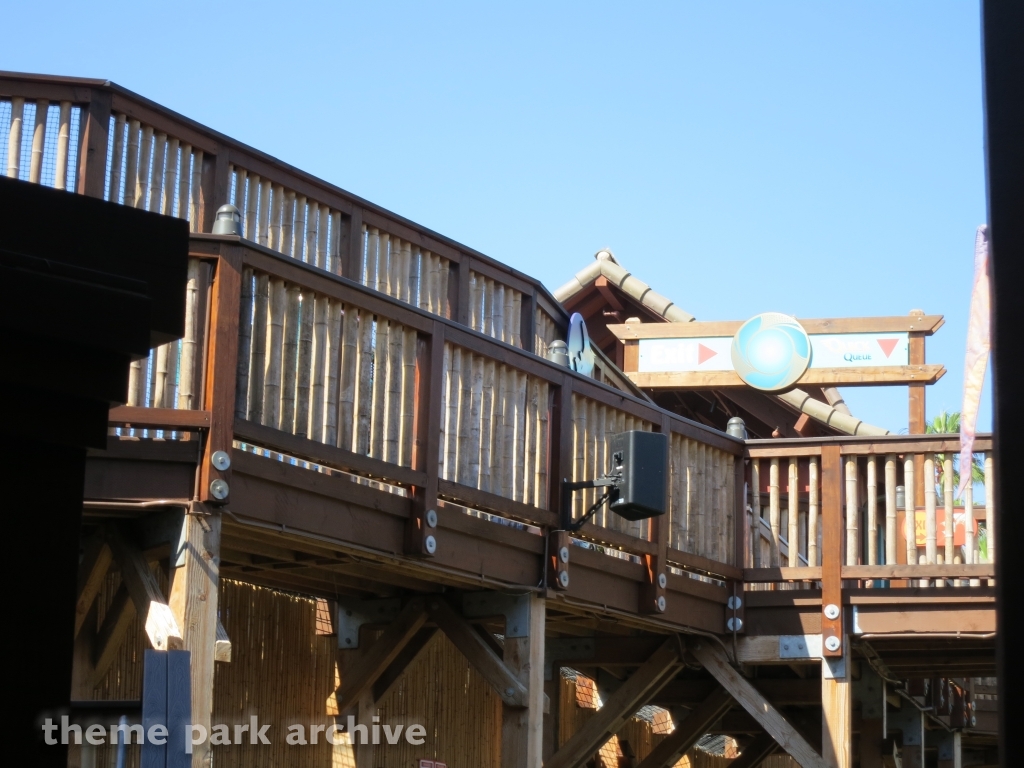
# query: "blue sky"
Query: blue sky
{"points": [[820, 159]]}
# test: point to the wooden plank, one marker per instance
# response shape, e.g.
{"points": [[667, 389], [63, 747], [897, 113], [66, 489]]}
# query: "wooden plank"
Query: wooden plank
{"points": [[916, 375], [864, 445], [195, 582], [492, 502], [920, 571], [811, 573], [522, 732], [158, 619], [621, 705], [703, 565], [504, 680], [925, 324], [412, 651], [91, 573], [154, 707], [118, 620], [689, 731], [711, 655], [831, 544], [836, 720], [374, 661], [159, 418], [328, 455]]}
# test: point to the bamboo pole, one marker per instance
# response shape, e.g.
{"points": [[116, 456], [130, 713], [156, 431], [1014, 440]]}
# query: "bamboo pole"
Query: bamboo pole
{"points": [[475, 417], [171, 178], [515, 319], [131, 170], [969, 539], [263, 218], [300, 232], [396, 338], [530, 450], [184, 181], [303, 377], [35, 169], [415, 265], [443, 452], [589, 447], [14, 138], [947, 500], [813, 513], [498, 315], [852, 512], [442, 289], [156, 183], [364, 392], [141, 180], [289, 357], [794, 514], [990, 507], [322, 255], [872, 523], [245, 316], [601, 431], [755, 513], [774, 510], [287, 241], [318, 383], [407, 275], [237, 197], [380, 382], [465, 423], [931, 549], [481, 314], [60, 178], [195, 224], [188, 394], [508, 315], [334, 242], [890, 509], [333, 374], [409, 350], [349, 367], [116, 160], [277, 203], [541, 486], [274, 354], [909, 508], [729, 539], [252, 202], [260, 342], [383, 256]]}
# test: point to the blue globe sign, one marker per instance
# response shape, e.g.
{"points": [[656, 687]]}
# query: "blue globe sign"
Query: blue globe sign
{"points": [[771, 351]]}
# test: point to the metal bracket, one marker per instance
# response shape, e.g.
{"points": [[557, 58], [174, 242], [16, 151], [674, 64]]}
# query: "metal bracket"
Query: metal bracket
{"points": [[909, 720], [558, 649], [869, 692], [800, 647], [515, 609], [353, 614]]}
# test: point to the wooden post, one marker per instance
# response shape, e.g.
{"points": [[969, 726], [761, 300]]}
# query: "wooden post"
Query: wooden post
{"points": [[214, 189], [459, 299], [832, 547], [426, 448], [916, 397], [93, 132], [221, 368], [837, 714], [194, 589], [652, 591], [522, 729]]}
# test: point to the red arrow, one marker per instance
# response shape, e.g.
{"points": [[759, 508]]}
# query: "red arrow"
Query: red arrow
{"points": [[704, 353], [888, 345]]}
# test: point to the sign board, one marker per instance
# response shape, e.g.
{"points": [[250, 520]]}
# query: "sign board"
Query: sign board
{"points": [[770, 352]]}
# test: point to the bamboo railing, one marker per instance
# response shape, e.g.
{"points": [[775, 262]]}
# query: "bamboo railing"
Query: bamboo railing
{"points": [[899, 516]]}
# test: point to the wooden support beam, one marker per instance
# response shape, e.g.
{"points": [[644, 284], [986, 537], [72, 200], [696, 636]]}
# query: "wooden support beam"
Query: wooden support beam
{"points": [[831, 549], [195, 581], [504, 680], [713, 657], [837, 713], [428, 380], [522, 729], [161, 627], [362, 672], [621, 705], [689, 731], [755, 752], [116, 623], [91, 573], [402, 662]]}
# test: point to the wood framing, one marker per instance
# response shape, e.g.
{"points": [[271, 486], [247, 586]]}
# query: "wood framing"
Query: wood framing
{"points": [[711, 655], [889, 375], [522, 729], [923, 324], [689, 731], [644, 683]]}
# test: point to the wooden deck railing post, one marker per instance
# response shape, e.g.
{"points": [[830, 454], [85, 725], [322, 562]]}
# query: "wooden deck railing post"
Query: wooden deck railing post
{"points": [[221, 370], [93, 133], [832, 549], [652, 590], [421, 530], [560, 459], [458, 291], [352, 250], [528, 323], [214, 189]]}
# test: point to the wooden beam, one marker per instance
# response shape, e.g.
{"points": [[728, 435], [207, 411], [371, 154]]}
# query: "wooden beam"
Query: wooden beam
{"points": [[621, 705], [504, 680], [158, 418], [711, 655], [689, 731], [161, 627], [831, 546], [428, 383], [362, 672], [116, 623], [923, 324], [406, 658], [882, 375], [91, 573], [522, 729], [837, 714], [755, 752], [195, 582]]}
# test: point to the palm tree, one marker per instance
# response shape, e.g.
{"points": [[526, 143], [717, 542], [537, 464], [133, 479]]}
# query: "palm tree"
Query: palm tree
{"points": [[948, 423]]}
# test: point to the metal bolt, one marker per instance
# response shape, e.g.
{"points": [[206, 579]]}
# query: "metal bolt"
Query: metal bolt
{"points": [[831, 611], [735, 603], [221, 461], [509, 691], [662, 581], [430, 544], [563, 554], [219, 490], [563, 579], [661, 603], [832, 643], [432, 518]]}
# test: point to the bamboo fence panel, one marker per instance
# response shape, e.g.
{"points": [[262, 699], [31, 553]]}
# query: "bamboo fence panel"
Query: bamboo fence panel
{"points": [[495, 309], [494, 427], [545, 332], [403, 270], [332, 372]]}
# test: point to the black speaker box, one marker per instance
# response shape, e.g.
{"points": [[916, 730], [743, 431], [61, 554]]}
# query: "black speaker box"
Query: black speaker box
{"points": [[642, 460]]}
